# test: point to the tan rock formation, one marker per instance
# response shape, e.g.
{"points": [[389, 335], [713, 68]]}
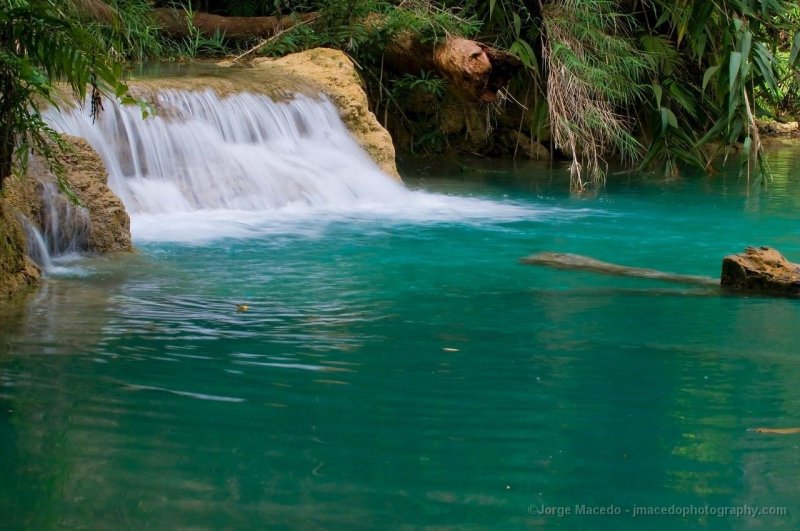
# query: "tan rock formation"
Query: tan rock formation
{"points": [[334, 74], [763, 270], [17, 272], [86, 176], [773, 128], [311, 72]]}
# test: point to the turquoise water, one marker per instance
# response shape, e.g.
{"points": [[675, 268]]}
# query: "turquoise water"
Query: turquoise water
{"points": [[410, 373]]}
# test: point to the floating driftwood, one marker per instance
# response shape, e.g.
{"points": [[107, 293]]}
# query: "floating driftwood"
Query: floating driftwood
{"points": [[776, 431], [585, 263], [757, 270]]}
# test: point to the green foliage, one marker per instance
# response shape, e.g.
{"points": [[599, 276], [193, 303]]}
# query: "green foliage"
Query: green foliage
{"points": [[686, 77], [426, 82], [594, 83], [655, 83], [41, 44], [196, 44], [788, 100], [421, 97], [246, 8], [363, 28], [133, 36], [728, 60]]}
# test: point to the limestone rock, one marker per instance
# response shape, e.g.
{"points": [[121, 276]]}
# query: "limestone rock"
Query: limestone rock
{"points": [[334, 74], [311, 72], [530, 148], [17, 272], [763, 270], [777, 128], [87, 176]]}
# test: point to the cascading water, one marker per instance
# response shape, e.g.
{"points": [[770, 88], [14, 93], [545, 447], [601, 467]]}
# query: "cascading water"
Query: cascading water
{"points": [[232, 162], [244, 152], [65, 224], [62, 229]]}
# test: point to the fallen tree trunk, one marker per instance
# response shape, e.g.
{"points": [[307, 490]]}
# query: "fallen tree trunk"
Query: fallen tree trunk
{"points": [[475, 70], [586, 263], [177, 23], [757, 270]]}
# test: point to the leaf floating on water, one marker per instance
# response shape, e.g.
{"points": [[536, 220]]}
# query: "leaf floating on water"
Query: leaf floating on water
{"points": [[332, 382], [242, 307], [776, 431]]}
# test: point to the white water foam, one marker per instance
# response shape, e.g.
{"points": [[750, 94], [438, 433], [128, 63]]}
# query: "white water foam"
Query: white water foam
{"points": [[207, 167]]}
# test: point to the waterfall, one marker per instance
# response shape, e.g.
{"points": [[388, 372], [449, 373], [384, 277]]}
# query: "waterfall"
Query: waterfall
{"points": [[243, 152], [62, 229], [206, 166], [65, 225], [37, 246]]}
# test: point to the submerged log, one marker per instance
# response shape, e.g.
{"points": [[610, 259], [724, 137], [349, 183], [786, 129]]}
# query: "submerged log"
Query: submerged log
{"points": [[776, 431], [585, 263], [762, 270], [757, 270]]}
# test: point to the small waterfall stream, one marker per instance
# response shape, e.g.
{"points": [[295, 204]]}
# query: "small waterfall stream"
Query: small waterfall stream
{"points": [[62, 230]]}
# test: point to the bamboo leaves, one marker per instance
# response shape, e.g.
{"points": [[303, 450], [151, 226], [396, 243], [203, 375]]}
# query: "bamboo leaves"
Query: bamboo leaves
{"points": [[734, 66], [795, 51]]}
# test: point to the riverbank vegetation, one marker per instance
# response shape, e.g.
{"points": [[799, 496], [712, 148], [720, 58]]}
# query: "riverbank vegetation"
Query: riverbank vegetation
{"points": [[652, 84], [47, 57]]}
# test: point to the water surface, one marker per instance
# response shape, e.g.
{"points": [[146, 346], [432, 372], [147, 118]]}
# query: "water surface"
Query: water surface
{"points": [[401, 369]]}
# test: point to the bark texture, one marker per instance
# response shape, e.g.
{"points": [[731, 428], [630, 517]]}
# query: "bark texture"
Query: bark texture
{"points": [[176, 23], [475, 70]]}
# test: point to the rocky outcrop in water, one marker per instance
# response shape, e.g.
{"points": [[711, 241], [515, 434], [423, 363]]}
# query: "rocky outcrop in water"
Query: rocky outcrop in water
{"points": [[775, 128], [762, 270], [87, 176], [108, 229]]}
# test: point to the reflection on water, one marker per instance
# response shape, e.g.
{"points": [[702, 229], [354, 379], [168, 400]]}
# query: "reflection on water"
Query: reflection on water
{"points": [[403, 373]]}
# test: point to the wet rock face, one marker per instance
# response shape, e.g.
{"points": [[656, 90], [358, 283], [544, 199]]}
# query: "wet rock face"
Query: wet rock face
{"points": [[86, 175], [761, 270], [17, 272], [109, 225]]}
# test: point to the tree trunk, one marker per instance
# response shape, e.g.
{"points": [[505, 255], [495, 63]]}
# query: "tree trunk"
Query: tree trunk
{"points": [[176, 23], [475, 70]]}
